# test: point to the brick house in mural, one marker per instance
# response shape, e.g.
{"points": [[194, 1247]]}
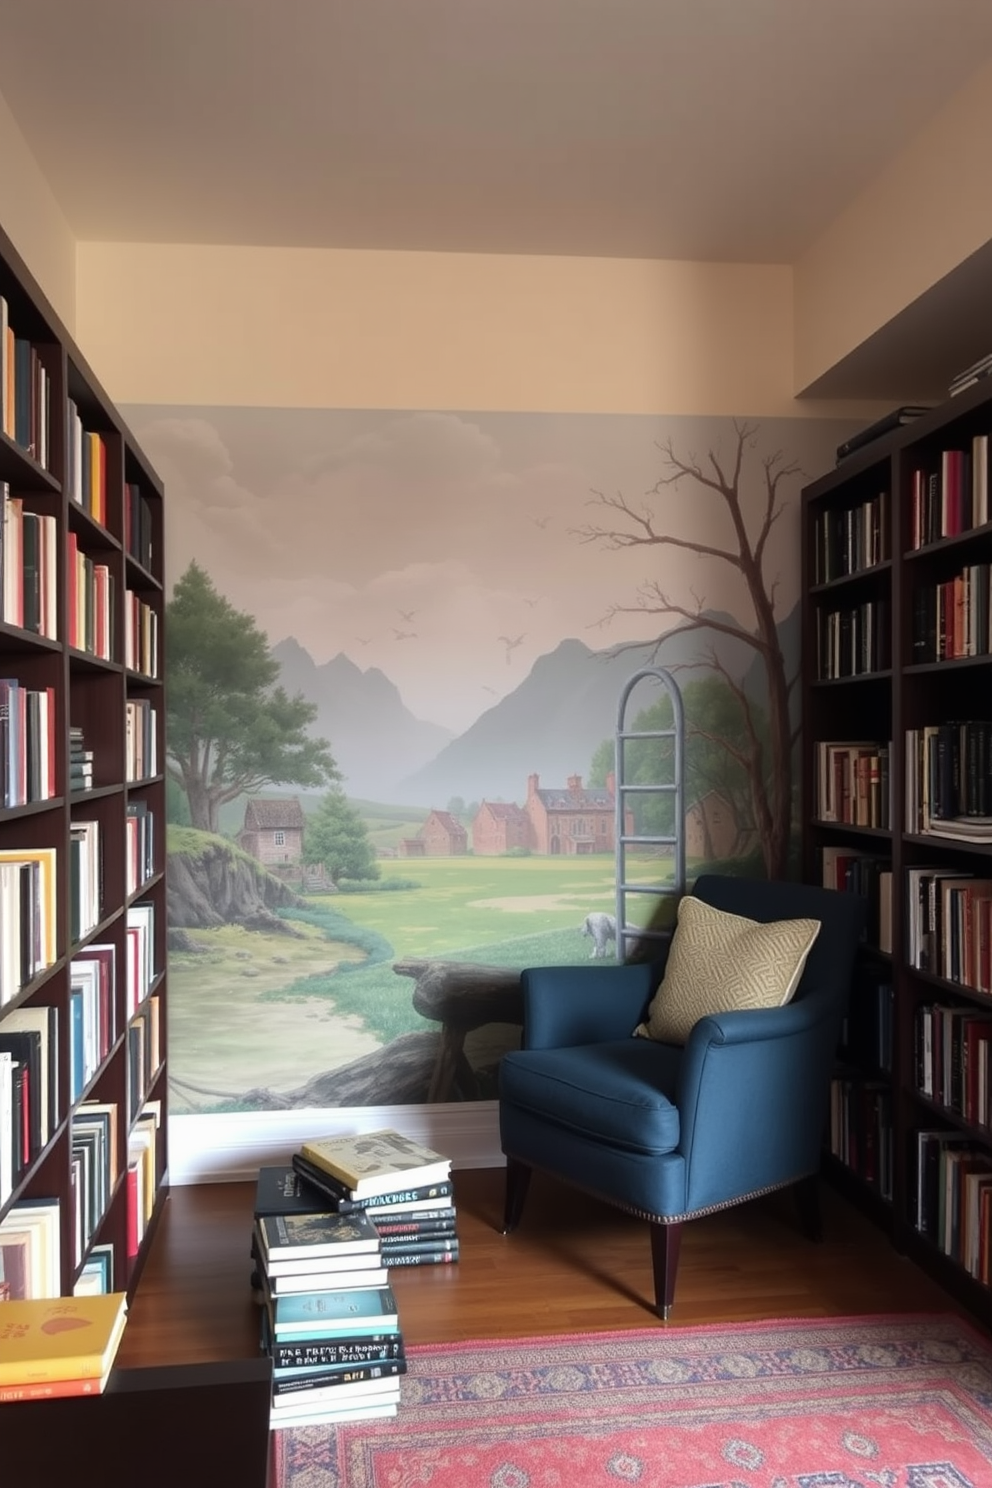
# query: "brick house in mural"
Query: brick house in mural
{"points": [[273, 835], [500, 826], [712, 831], [273, 830], [441, 836], [573, 820]]}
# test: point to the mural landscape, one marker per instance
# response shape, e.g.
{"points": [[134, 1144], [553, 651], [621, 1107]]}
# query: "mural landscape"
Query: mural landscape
{"points": [[395, 646]]}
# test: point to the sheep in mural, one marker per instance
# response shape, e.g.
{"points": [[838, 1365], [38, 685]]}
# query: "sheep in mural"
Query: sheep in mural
{"points": [[603, 929]]}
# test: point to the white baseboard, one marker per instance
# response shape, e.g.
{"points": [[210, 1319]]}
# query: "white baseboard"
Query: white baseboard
{"points": [[231, 1147]]}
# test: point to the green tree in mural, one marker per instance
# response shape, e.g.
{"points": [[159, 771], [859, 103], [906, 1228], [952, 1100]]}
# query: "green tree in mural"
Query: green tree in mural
{"points": [[716, 754], [336, 837], [767, 758], [230, 728]]}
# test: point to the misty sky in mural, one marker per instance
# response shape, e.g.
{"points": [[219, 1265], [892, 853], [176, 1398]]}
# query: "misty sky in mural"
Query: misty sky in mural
{"points": [[443, 548]]}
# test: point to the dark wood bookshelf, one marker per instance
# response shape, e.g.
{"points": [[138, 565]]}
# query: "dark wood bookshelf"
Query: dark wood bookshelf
{"points": [[908, 466], [90, 691]]}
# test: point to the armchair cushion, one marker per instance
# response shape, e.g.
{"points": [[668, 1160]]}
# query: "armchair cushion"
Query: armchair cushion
{"points": [[619, 1094], [721, 962]]}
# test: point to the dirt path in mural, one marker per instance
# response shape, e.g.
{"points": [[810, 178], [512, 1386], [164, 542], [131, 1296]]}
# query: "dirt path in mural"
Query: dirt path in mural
{"points": [[224, 1037]]}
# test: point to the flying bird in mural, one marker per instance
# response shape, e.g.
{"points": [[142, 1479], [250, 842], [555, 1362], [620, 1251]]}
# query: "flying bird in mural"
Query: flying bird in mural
{"points": [[511, 643], [405, 635], [364, 640], [489, 689], [540, 521], [530, 603], [406, 615]]}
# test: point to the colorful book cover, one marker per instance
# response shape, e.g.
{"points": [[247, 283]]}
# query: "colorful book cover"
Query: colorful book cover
{"points": [[293, 1237], [60, 1338], [372, 1162], [319, 1312]]}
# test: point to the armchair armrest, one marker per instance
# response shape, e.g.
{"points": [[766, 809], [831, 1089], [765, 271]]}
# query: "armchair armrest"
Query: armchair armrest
{"points": [[752, 1098], [569, 1005]]}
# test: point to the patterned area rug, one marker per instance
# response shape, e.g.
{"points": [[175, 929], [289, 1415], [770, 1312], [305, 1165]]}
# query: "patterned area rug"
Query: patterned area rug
{"points": [[877, 1402]]}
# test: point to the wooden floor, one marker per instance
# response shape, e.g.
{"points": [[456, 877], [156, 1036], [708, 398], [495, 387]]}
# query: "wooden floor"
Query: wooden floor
{"points": [[572, 1266]]}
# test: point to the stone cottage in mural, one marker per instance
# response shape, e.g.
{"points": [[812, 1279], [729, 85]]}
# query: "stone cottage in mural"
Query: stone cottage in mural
{"points": [[441, 836]]}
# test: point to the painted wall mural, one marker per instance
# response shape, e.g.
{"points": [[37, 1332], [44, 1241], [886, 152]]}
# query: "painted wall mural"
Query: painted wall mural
{"points": [[395, 645]]}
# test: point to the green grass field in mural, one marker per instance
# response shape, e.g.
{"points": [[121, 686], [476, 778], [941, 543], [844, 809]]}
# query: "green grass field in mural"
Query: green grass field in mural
{"points": [[272, 1010]]}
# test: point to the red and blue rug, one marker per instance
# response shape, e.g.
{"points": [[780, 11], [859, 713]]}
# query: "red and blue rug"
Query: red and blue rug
{"points": [[871, 1402]]}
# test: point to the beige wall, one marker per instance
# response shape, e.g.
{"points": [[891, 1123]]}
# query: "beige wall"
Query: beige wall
{"points": [[917, 220], [350, 329], [31, 218]]}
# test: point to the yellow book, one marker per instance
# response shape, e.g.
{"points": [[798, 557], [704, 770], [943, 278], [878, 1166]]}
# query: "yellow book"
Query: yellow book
{"points": [[60, 1338], [378, 1162]]}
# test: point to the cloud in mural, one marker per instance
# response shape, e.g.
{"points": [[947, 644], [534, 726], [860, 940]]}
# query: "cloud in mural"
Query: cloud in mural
{"points": [[333, 527]]}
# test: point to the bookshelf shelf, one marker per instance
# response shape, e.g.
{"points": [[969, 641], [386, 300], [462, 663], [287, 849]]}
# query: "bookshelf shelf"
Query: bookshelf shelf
{"points": [[83, 1077], [927, 891]]}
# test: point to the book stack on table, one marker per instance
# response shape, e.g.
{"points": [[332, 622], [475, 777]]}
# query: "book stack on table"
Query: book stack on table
{"points": [[404, 1187], [53, 1347], [329, 1318]]}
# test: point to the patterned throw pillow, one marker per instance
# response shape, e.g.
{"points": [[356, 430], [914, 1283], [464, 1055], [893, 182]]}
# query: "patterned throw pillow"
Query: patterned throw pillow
{"points": [[721, 963]]}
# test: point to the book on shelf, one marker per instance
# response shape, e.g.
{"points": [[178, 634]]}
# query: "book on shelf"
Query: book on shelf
{"points": [[304, 1238], [426, 1197], [853, 782], [60, 1338], [907, 413], [31, 1248], [377, 1162], [970, 375]]}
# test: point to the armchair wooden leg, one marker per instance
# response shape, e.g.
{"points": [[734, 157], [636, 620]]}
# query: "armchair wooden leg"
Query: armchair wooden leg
{"points": [[666, 1240], [517, 1184], [807, 1192]]}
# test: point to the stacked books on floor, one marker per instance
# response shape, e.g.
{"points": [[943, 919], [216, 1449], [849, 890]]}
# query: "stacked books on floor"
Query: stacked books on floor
{"points": [[59, 1346], [403, 1186], [329, 1318]]}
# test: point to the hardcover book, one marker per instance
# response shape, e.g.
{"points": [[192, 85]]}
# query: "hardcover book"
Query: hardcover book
{"points": [[60, 1338], [282, 1190], [337, 1195], [326, 1314], [376, 1162], [299, 1237]]}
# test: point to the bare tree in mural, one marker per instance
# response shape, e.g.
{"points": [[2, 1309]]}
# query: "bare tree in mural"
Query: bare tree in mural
{"points": [[769, 776]]}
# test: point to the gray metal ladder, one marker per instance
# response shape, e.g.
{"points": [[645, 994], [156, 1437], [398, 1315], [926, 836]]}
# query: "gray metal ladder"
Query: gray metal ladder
{"points": [[624, 790]]}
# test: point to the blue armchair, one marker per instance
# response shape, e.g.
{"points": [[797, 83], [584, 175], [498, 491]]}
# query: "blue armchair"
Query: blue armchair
{"points": [[671, 1133]]}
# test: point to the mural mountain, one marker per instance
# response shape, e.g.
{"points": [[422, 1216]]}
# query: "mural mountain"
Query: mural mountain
{"points": [[551, 724], [374, 738]]}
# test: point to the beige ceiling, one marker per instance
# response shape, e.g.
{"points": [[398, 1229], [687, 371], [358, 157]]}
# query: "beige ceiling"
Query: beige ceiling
{"points": [[728, 130]]}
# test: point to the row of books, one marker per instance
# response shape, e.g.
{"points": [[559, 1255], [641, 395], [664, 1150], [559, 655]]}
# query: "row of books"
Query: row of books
{"points": [[852, 641], [27, 916], [28, 1089], [949, 780], [951, 1054], [869, 876], [853, 783], [139, 851], [860, 1130], [848, 540], [92, 1013], [954, 619], [27, 743], [144, 1052], [90, 602], [952, 1203], [950, 925], [138, 536], [31, 1250], [28, 566], [93, 1169], [25, 391], [86, 467], [140, 636], [140, 740], [85, 878], [953, 498], [143, 1140], [140, 952]]}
